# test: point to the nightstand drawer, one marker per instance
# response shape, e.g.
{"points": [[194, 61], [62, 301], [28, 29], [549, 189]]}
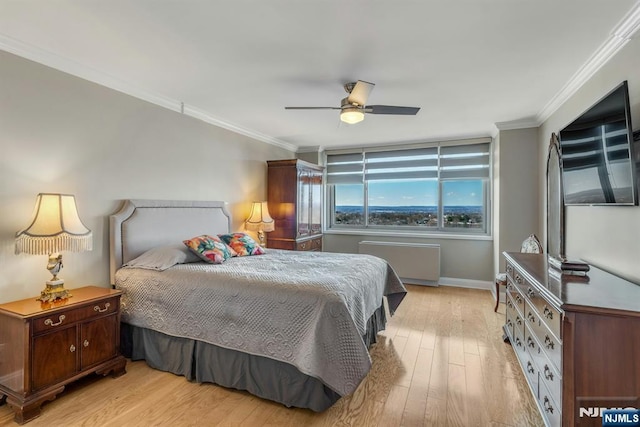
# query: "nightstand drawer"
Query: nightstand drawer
{"points": [[60, 319]]}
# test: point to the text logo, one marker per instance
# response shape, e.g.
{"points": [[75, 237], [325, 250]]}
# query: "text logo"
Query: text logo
{"points": [[621, 417], [594, 412]]}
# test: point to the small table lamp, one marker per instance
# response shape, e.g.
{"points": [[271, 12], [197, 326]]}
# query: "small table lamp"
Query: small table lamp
{"points": [[259, 220], [55, 227]]}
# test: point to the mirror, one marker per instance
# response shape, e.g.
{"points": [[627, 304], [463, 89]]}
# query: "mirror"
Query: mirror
{"points": [[555, 204]]}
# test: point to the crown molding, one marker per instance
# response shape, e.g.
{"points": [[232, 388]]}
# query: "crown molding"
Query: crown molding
{"points": [[517, 124], [208, 118], [310, 149], [619, 37], [66, 65]]}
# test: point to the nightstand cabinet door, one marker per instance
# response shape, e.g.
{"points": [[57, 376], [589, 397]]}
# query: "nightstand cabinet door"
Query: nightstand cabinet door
{"points": [[55, 343], [54, 357], [98, 341]]}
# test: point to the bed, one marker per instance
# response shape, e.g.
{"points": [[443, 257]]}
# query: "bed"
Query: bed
{"points": [[292, 327]]}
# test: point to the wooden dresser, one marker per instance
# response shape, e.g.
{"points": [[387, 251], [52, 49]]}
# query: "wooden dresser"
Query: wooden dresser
{"points": [[44, 346], [295, 203], [577, 340]]}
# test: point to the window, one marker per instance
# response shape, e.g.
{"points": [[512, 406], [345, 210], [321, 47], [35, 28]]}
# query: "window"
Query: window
{"points": [[433, 188]]}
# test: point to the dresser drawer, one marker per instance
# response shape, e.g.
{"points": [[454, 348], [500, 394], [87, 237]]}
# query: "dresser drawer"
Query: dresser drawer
{"points": [[514, 317], [551, 410], [549, 345], [310, 245], [516, 295], [550, 376], [527, 362], [549, 315], [60, 320], [510, 270], [510, 318]]}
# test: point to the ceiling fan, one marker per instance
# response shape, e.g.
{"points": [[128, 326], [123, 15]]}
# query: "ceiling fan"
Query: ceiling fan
{"points": [[354, 106]]}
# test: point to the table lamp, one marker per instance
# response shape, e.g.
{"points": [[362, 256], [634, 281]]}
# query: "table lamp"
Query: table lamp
{"points": [[259, 220], [55, 227]]}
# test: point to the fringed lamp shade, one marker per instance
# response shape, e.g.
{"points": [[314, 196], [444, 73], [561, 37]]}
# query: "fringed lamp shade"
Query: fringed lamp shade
{"points": [[259, 220], [54, 227]]}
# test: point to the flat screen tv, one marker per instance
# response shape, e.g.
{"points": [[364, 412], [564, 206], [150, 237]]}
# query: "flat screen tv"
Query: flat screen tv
{"points": [[598, 162]]}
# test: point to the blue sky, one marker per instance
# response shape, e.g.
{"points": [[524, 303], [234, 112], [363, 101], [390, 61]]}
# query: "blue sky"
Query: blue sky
{"points": [[412, 193]]}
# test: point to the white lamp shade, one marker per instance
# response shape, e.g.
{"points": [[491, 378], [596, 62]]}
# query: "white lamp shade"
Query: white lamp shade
{"points": [[259, 219], [55, 227], [351, 115]]}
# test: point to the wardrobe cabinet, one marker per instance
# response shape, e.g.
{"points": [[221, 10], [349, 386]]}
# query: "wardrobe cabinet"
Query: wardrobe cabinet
{"points": [[294, 190]]}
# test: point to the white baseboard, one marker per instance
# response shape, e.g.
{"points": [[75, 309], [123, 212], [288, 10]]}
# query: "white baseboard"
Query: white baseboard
{"points": [[467, 283], [419, 282]]}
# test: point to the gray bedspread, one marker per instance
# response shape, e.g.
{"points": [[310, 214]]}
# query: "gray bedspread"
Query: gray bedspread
{"points": [[309, 309]]}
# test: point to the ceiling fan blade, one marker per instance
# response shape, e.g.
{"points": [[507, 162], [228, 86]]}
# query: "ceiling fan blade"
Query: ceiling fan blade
{"points": [[391, 109], [312, 108], [360, 93]]}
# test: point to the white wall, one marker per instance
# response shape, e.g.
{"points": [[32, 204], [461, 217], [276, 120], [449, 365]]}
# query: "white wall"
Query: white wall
{"points": [[59, 133], [516, 187], [605, 236]]}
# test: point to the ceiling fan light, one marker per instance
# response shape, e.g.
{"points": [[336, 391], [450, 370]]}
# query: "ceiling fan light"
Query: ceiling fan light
{"points": [[351, 115]]}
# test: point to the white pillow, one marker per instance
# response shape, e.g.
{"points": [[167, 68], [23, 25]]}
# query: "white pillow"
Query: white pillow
{"points": [[163, 257]]}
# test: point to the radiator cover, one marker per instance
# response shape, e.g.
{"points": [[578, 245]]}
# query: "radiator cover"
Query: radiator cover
{"points": [[417, 263]]}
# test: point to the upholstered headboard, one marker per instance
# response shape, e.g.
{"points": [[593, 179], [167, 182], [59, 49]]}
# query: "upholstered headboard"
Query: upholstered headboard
{"points": [[143, 224]]}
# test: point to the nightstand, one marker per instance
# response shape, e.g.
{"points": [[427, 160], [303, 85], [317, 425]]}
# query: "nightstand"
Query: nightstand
{"points": [[44, 346]]}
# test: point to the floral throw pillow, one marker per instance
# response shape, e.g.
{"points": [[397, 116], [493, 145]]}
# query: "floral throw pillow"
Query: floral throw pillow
{"points": [[210, 248], [242, 244]]}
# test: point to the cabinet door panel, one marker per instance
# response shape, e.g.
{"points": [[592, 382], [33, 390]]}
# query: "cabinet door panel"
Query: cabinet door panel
{"points": [[54, 357], [98, 341], [304, 201], [316, 203]]}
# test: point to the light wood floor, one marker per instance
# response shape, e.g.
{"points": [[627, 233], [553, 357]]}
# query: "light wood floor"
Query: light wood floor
{"points": [[441, 362]]}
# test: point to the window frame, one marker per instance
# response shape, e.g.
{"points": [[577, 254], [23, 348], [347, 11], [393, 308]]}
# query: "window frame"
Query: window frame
{"points": [[414, 230]]}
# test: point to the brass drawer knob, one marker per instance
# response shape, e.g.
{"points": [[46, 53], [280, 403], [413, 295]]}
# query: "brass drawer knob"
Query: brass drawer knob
{"points": [[547, 373], [102, 310], [548, 342], [86, 343], [72, 348], [548, 313], [60, 320]]}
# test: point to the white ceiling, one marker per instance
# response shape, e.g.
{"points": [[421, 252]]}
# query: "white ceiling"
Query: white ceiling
{"points": [[468, 64]]}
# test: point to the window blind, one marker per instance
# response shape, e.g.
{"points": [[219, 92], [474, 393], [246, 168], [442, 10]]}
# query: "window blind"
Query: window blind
{"points": [[469, 161], [345, 168], [465, 161]]}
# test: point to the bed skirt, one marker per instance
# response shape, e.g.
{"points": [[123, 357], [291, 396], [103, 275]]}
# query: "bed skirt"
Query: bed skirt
{"points": [[263, 377]]}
